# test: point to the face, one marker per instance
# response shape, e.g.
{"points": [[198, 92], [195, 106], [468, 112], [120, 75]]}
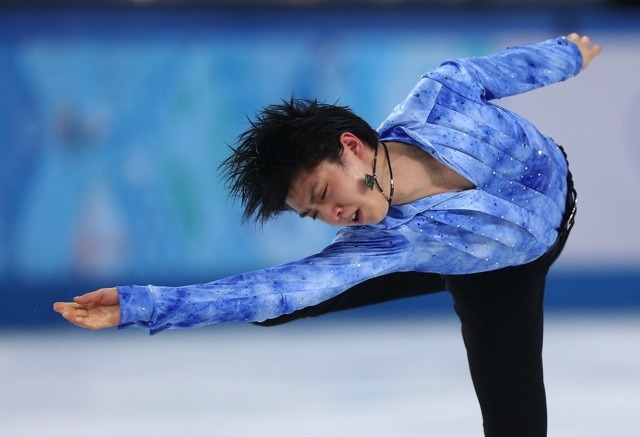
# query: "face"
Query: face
{"points": [[335, 193]]}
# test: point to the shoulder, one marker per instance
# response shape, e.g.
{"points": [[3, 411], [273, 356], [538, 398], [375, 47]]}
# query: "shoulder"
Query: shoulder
{"points": [[367, 238]]}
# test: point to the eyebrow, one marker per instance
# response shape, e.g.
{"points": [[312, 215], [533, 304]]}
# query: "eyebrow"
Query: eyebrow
{"points": [[312, 199]]}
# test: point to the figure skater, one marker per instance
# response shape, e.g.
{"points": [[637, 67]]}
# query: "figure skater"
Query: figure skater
{"points": [[451, 192]]}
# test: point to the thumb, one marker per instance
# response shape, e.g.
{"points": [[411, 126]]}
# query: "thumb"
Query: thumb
{"points": [[103, 296], [92, 297]]}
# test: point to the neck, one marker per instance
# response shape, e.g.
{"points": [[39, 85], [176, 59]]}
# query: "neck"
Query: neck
{"points": [[406, 160], [373, 179], [419, 175]]}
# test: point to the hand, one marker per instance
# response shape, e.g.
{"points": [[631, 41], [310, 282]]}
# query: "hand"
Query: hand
{"points": [[584, 44], [96, 310]]}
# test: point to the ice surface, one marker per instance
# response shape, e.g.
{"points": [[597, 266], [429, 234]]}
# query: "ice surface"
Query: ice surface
{"points": [[309, 378]]}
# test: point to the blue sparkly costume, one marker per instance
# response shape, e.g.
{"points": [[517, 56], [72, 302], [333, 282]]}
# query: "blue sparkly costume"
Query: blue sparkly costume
{"points": [[510, 218]]}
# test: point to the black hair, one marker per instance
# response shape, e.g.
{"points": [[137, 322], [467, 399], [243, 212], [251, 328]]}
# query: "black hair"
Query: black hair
{"points": [[283, 141]]}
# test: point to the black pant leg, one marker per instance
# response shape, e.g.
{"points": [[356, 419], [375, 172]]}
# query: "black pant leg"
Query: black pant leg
{"points": [[502, 326], [376, 290]]}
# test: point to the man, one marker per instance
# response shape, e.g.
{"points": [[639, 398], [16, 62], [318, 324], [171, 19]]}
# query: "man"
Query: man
{"points": [[451, 192]]}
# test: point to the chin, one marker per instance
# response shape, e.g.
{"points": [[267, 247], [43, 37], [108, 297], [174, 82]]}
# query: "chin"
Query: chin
{"points": [[375, 217]]}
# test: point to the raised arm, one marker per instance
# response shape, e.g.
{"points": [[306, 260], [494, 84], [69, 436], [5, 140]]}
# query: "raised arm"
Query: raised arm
{"points": [[517, 69]]}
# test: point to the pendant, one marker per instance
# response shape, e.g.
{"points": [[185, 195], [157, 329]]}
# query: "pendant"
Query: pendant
{"points": [[369, 180]]}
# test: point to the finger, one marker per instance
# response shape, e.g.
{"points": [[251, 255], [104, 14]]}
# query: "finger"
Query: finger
{"points": [[573, 37], [61, 307], [84, 319], [74, 319], [77, 311]]}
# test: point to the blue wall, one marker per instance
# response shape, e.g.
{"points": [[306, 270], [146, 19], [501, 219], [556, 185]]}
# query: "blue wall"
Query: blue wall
{"points": [[113, 122]]}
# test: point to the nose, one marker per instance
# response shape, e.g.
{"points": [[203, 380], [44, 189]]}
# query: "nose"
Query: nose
{"points": [[331, 214]]}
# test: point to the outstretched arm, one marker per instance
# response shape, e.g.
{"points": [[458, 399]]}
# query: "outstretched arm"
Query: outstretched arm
{"points": [[96, 310], [254, 296]]}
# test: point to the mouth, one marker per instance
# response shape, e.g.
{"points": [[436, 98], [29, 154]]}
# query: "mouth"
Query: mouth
{"points": [[355, 218]]}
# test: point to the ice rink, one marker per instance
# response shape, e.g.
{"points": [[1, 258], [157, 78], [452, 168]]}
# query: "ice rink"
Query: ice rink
{"points": [[114, 117], [325, 377]]}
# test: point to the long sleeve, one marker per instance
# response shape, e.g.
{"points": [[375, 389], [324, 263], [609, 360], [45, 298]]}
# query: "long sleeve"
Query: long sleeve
{"points": [[509, 219], [512, 71], [269, 293], [512, 216]]}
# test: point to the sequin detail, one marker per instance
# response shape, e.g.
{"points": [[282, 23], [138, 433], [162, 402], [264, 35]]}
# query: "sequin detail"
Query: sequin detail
{"points": [[510, 218]]}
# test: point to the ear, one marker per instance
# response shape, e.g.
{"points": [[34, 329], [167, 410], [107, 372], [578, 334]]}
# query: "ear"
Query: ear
{"points": [[351, 143]]}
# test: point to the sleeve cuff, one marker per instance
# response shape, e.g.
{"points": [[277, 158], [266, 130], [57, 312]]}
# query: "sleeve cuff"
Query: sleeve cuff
{"points": [[578, 54], [136, 305]]}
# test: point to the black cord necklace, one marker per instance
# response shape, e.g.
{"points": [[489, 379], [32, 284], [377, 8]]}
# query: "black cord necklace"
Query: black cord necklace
{"points": [[372, 180]]}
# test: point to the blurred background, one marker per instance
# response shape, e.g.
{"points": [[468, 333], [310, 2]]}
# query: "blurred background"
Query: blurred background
{"points": [[114, 116]]}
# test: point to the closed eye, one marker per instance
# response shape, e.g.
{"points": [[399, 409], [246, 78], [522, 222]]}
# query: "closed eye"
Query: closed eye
{"points": [[308, 213], [322, 197]]}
